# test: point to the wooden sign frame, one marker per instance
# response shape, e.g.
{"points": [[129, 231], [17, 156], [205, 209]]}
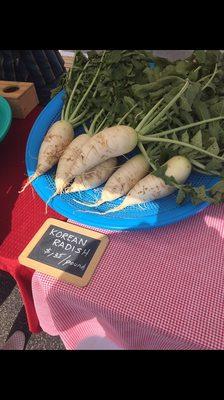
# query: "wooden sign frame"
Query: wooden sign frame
{"points": [[53, 271]]}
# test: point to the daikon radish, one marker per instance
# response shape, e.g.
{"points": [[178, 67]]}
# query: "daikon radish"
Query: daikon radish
{"points": [[152, 188], [123, 179], [55, 142], [109, 143], [93, 178], [63, 176]]}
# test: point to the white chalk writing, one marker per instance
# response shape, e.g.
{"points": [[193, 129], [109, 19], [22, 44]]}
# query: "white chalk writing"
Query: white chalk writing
{"points": [[66, 237], [64, 260], [47, 251]]}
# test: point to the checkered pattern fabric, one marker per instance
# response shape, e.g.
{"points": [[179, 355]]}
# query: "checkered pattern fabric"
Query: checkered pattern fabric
{"points": [[153, 289]]}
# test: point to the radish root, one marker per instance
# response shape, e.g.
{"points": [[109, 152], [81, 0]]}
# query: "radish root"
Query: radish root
{"points": [[30, 180], [83, 203], [118, 208], [50, 198]]}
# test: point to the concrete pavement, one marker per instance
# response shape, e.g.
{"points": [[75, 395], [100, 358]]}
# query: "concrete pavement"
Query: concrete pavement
{"points": [[13, 318]]}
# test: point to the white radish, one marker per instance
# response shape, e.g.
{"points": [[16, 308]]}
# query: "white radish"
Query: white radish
{"points": [[110, 142], [152, 187], [123, 179], [94, 177], [55, 142], [63, 176]]}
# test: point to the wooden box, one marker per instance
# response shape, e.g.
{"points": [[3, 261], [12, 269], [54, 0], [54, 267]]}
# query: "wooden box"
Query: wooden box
{"points": [[21, 96], [68, 62]]}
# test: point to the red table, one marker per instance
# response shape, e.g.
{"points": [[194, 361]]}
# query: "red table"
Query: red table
{"points": [[21, 214]]}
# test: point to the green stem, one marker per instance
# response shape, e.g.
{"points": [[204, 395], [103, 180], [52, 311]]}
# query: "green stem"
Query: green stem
{"points": [[207, 76], [143, 151], [154, 84], [128, 54], [141, 112], [73, 92], [102, 124], [159, 122], [179, 143], [171, 77], [197, 69], [154, 150], [78, 118], [63, 113], [165, 109], [94, 94], [82, 121], [89, 88], [197, 164], [200, 166], [211, 173], [86, 129], [148, 115], [213, 75], [184, 127], [127, 114], [203, 78], [92, 126]]}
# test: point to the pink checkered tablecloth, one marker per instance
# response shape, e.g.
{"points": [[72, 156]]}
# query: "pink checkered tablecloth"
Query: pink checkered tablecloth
{"points": [[153, 289]]}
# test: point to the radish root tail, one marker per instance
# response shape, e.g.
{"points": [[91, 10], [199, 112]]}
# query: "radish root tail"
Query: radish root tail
{"points": [[83, 203], [115, 209], [29, 181], [50, 198]]}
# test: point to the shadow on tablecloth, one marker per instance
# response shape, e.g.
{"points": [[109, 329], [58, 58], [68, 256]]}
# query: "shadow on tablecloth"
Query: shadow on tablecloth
{"points": [[97, 343]]}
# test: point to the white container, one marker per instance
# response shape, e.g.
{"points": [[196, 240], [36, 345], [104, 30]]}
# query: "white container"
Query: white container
{"points": [[173, 55]]}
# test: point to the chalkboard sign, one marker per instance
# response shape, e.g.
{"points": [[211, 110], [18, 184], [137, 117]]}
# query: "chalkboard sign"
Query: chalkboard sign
{"points": [[65, 251]]}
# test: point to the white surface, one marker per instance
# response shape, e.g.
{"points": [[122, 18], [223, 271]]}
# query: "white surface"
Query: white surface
{"points": [[67, 53], [97, 343], [170, 54], [173, 55]]}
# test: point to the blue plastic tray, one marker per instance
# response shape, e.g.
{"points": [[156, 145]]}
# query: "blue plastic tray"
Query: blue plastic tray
{"points": [[154, 214]]}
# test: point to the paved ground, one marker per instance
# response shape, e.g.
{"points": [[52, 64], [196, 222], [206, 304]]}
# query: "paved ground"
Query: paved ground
{"points": [[13, 317]]}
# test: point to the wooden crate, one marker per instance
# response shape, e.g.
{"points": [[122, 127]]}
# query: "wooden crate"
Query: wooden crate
{"points": [[21, 96], [68, 61]]}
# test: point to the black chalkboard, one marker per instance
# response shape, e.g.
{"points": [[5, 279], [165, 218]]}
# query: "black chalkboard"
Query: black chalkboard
{"points": [[65, 251], [68, 251]]}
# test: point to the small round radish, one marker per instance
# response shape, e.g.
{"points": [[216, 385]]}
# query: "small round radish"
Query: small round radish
{"points": [[55, 142], [63, 178], [152, 188], [109, 143], [94, 177]]}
